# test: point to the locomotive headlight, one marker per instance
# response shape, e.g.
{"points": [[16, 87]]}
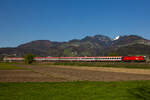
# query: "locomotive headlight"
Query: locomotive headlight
{"points": [[137, 58]]}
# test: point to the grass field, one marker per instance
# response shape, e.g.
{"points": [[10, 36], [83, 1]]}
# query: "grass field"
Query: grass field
{"points": [[9, 66], [89, 64], [125, 90], [107, 64], [131, 90]]}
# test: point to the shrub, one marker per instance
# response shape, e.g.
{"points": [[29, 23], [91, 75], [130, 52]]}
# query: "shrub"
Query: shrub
{"points": [[1, 58], [28, 58]]}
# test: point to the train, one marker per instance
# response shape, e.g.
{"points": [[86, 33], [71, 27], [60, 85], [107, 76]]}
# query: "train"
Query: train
{"points": [[82, 59]]}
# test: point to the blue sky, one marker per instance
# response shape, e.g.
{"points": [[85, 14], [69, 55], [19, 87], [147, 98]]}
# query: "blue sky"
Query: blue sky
{"points": [[22, 21]]}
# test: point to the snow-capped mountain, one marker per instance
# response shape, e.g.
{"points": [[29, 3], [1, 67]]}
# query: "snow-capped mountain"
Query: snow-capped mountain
{"points": [[116, 38]]}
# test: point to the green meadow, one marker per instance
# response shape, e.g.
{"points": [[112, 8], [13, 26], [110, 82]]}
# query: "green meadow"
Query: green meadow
{"points": [[9, 66], [130, 90], [106, 64]]}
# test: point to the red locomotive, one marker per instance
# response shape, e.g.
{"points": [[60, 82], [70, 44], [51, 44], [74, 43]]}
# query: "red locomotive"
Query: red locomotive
{"points": [[133, 58]]}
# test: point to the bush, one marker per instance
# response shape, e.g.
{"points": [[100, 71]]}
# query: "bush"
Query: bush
{"points": [[28, 58], [1, 58]]}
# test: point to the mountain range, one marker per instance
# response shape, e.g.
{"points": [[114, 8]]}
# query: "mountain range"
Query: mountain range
{"points": [[98, 45]]}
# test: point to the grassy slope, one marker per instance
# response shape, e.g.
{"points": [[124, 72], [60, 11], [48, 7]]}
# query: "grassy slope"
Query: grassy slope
{"points": [[9, 66], [72, 91], [102, 64]]}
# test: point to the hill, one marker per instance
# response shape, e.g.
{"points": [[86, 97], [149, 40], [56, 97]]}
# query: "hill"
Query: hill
{"points": [[98, 45]]}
